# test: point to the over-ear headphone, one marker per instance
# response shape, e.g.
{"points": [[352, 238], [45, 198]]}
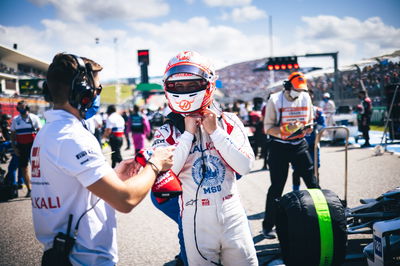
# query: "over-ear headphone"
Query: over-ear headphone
{"points": [[287, 84], [46, 92], [82, 91]]}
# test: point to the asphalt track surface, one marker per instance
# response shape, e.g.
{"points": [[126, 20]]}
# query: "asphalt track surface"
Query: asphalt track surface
{"points": [[148, 237]]}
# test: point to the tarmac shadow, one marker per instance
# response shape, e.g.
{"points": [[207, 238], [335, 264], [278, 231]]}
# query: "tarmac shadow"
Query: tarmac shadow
{"points": [[256, 216], [170, 263], [267, 253], [15, 200]]}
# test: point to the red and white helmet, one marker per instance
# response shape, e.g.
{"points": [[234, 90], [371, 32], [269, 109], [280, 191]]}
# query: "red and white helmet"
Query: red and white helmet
{"points": [[186, 66]]}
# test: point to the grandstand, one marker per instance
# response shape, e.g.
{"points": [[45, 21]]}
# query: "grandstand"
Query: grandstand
{"points": [[239, 81], [21, 78]]}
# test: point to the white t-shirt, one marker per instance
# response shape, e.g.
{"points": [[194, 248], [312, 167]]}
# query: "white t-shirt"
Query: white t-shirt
{"points": [[116, 123], [66, 158], [94, 122], [25, 128], [328, 107]]}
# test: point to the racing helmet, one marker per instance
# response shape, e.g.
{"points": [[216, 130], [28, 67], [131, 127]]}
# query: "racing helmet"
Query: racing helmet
{"points": [[189, 82]]}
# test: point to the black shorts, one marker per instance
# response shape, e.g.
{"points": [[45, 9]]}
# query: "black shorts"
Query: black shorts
{"points": [[24, 154]]}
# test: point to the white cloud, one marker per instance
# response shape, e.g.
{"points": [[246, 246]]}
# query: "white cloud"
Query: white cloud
{"points": [[81, 10], [215, 3], [27, 39], [330, 27], [73, 38], [223, 44], [352, 37], [245, 14]]}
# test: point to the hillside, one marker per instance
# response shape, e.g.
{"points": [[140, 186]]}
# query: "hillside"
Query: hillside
{"points": [[239, 81]]}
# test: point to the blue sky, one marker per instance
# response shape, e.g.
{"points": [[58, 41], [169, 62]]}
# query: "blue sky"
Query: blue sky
{"points": [[227, 31]]}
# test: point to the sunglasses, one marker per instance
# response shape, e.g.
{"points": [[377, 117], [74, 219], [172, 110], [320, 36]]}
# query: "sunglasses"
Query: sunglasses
{"points": [[98, 89], [186, 86]]}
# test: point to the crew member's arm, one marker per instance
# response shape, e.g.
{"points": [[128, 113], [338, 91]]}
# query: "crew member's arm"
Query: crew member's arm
{"points": [[270, 120], [146, 126], [13, 138], [310, 115], [107, 130], [37, 124], [234, 148], [123, 189]]}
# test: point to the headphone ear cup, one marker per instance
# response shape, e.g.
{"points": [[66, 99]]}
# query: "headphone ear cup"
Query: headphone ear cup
{"points": [[83, 95], [287, 85], [46, 93]]}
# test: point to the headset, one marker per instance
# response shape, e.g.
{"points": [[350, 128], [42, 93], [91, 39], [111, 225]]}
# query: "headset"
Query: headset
{"points": [[287, 84], [83, 92]]}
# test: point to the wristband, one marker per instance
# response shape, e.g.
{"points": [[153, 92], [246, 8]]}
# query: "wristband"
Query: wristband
{"points": [[156, 170]]}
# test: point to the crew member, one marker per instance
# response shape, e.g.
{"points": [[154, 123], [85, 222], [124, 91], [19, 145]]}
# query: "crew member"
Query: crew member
{"points": [[329, 109], [211, 147], [140, 128], [115, 126], [365, 116], [74, 189], [287, 113], [23, 131]]}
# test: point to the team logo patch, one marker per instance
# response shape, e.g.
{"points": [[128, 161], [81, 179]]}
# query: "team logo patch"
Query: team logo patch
{"points": [[205, 202], [185, 104], [35, 162], [158, 141], [214, 173]]}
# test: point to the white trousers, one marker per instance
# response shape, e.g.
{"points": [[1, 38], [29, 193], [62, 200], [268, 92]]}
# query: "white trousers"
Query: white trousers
{"points": [[223, 234]]}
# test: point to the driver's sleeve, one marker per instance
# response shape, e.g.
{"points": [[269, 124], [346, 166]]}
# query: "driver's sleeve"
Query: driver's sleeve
{"points": [[234, 148]]}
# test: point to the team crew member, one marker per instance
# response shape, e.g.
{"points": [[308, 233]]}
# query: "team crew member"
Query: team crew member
{"points": [[23, 131], [329, 108], [211, 147], [286, 112], [72, 180], [365, 116], [140, 128], [115, 126]]}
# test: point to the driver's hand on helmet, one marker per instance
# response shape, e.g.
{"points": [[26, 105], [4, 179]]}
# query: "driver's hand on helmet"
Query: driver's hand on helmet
{"points": [[209, 121]]}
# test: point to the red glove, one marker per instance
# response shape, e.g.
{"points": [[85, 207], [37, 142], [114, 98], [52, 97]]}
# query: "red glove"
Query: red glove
{"points": [[167, 184]]}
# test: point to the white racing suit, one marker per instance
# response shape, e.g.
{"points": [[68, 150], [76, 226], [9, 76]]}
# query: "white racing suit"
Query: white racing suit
{"points": [[220, 224]]}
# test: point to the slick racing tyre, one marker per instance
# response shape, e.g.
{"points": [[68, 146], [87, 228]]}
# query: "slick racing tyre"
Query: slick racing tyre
{"points": [[311, 228]]}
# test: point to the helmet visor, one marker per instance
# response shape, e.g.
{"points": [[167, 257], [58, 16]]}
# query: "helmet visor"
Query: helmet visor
{"points": [[190, 69], [186, 86]]}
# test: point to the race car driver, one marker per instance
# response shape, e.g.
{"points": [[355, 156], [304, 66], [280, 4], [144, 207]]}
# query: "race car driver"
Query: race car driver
{"points": [[211, 147]]}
